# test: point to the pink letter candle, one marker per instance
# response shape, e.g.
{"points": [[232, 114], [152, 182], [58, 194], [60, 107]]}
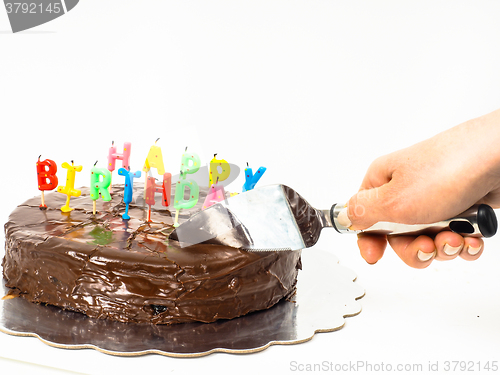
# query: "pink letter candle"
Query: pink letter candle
{"points": [[124, 156], [215, 194]]}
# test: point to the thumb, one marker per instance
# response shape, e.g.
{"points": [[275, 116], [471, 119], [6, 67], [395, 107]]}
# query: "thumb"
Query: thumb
{"points": [[367, 207]]}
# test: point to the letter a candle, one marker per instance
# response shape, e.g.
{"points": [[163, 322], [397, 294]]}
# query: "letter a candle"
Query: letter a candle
{"points": [[69, 189], [190, 163], [46, 174], [215, 194], [153, 160]]}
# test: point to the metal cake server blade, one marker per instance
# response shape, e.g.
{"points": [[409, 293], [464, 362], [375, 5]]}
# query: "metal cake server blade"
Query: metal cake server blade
{"points": [[277, 218]]}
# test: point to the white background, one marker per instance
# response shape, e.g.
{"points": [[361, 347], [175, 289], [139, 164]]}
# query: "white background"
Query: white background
{"points": [[312, 90]]}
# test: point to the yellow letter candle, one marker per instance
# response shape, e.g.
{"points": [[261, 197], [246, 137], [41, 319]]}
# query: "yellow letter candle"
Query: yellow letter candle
{"points": [[215, 165], [153, 160], [69, 189]]}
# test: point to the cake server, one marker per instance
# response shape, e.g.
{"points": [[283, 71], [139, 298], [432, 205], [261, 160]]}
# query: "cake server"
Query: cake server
{"points": [[276, 217]]}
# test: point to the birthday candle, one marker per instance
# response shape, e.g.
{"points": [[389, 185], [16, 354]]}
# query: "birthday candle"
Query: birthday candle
{"points": [[69, 188], [46, 174], [99, 186], [215, 175], [124, 156], [164, 189], [252, 179], [153, 160], [215, 194], [128, 189], [190, 163]]}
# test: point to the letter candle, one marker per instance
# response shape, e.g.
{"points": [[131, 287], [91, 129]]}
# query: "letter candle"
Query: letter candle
{"points": [[153, 160], [215, 194], [214, 174], [46, 174], [190, 163], [152, 188], [129, 189], [124, 157], [69, 188], [252, 179], [99, 186]]}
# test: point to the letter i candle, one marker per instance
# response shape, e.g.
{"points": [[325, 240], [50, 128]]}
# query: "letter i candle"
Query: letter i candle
{"points": [[46, 174], [69, 188]]}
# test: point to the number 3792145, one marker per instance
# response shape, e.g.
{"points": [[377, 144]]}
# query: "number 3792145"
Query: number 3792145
{"points": [[33, 8]]}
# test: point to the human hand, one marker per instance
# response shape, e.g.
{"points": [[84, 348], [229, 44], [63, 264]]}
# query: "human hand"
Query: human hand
{"points": [[428, 182]]}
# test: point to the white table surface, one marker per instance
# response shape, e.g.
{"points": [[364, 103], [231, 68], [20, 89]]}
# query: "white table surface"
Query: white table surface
{"points": [[314, 91]]}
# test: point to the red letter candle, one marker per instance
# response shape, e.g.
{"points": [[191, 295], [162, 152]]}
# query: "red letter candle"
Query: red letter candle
{"points": [[46, 174], [152, 188]]}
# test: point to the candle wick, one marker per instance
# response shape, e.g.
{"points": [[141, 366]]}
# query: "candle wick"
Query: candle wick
{"points": [[95, 162], [215, 155], [186, 149], [39, 157], [216, 182], [247, 164], [157, 140], [72, 162], [112, 143]]}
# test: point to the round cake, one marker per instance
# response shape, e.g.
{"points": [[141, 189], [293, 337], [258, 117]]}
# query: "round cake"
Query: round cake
{"points": [[129, 270]]}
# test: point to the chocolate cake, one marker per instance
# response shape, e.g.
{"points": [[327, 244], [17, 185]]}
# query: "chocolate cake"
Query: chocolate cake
{"points": [[129, 270]]}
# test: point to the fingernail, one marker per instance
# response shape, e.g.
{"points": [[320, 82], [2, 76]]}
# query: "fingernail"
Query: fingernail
{"points": [[424, 257], [450, 250], [474, 250], [343, 219]]}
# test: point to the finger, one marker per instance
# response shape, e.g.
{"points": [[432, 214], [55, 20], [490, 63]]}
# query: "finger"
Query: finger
{"points": [[473, 248], [449, 245], [369, 206], [372, 247], [415, 252]]}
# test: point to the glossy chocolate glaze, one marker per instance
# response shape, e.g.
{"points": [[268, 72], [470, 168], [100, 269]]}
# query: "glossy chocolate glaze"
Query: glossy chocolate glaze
{"points": [[130, 271], [307, 217]]}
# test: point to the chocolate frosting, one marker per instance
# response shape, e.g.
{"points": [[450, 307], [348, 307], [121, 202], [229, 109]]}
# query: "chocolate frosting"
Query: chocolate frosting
{"points": [[129, 270]]}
